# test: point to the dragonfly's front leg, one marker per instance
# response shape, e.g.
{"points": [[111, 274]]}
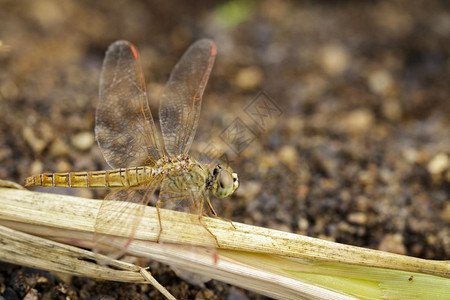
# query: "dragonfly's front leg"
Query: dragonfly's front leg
{"points": [[213, 212], [200, 217], [157, 205], [164, 197], [168, 196]]}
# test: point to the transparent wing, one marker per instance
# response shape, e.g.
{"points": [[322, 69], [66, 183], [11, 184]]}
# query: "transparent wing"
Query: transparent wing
{"points": [[119, 216], [182, 97], [124, 126], [190, 202], [187, 202]]}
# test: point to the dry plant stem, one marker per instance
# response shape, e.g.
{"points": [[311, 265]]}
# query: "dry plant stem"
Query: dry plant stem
{"points": [[200, 261], [79, 214], [24, 249], [31, 250], [11, 184]]}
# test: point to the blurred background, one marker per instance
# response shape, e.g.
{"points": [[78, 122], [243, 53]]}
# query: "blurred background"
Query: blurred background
{"points": [[358, 146]]}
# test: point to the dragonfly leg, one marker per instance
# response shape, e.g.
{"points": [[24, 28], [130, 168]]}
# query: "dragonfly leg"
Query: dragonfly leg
{"points": [[213, 212], [200, 219], [157, 205]]}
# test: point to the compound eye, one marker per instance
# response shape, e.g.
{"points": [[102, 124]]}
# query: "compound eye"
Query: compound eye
{"points": [[224, 180]]}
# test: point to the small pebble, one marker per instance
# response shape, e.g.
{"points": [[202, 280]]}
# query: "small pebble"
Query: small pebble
{"points": [[334, 59], [391, 109], [392, 243], [63, 166], [358, 121], [9, 90], [31, 295], [59, 148], [417, 249], [249, 78], [346, 196], [445, 214], [431, 239], [363, 203], [302, 191], [386, 175], [248, 189], [46, 13], [345, 227], [33, 141], [357, 218], [410, 155], [46, 131], [267, 161], [204, 294], [288, 155], [438, 164], [303, 224], [5, 153], [328, 184], [380, 81], [365, 177], [83, 140], [295, 125], [36, 167]]}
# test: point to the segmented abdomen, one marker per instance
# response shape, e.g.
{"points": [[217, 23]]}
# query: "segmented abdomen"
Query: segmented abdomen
{"points": [[94, 179]]}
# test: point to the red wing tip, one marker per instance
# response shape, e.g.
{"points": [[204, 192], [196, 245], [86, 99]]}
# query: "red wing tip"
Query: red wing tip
{"points": [[134, 51], [213, 50], [122, 45], [203, 43]]}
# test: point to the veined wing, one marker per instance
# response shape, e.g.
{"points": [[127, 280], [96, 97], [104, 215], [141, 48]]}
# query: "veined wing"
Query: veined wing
{"points": [[192, 202], [124, 126], [119, 216], [182, 97]]}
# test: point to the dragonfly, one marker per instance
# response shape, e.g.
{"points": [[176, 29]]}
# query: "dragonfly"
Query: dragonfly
{"points": [[131, 145]]}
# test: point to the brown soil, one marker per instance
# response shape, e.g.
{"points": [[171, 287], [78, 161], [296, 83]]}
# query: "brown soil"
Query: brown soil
{"points": [[356, 150]]}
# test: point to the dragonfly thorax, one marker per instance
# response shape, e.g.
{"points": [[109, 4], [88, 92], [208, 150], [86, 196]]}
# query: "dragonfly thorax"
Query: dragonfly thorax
{"points": [[183, 173]]}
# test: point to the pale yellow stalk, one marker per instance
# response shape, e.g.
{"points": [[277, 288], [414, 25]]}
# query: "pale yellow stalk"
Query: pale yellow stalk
{"points": [[278, 264]]}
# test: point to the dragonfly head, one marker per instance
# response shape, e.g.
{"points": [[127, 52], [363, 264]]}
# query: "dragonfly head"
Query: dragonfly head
{"points": [[225, 182]]}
